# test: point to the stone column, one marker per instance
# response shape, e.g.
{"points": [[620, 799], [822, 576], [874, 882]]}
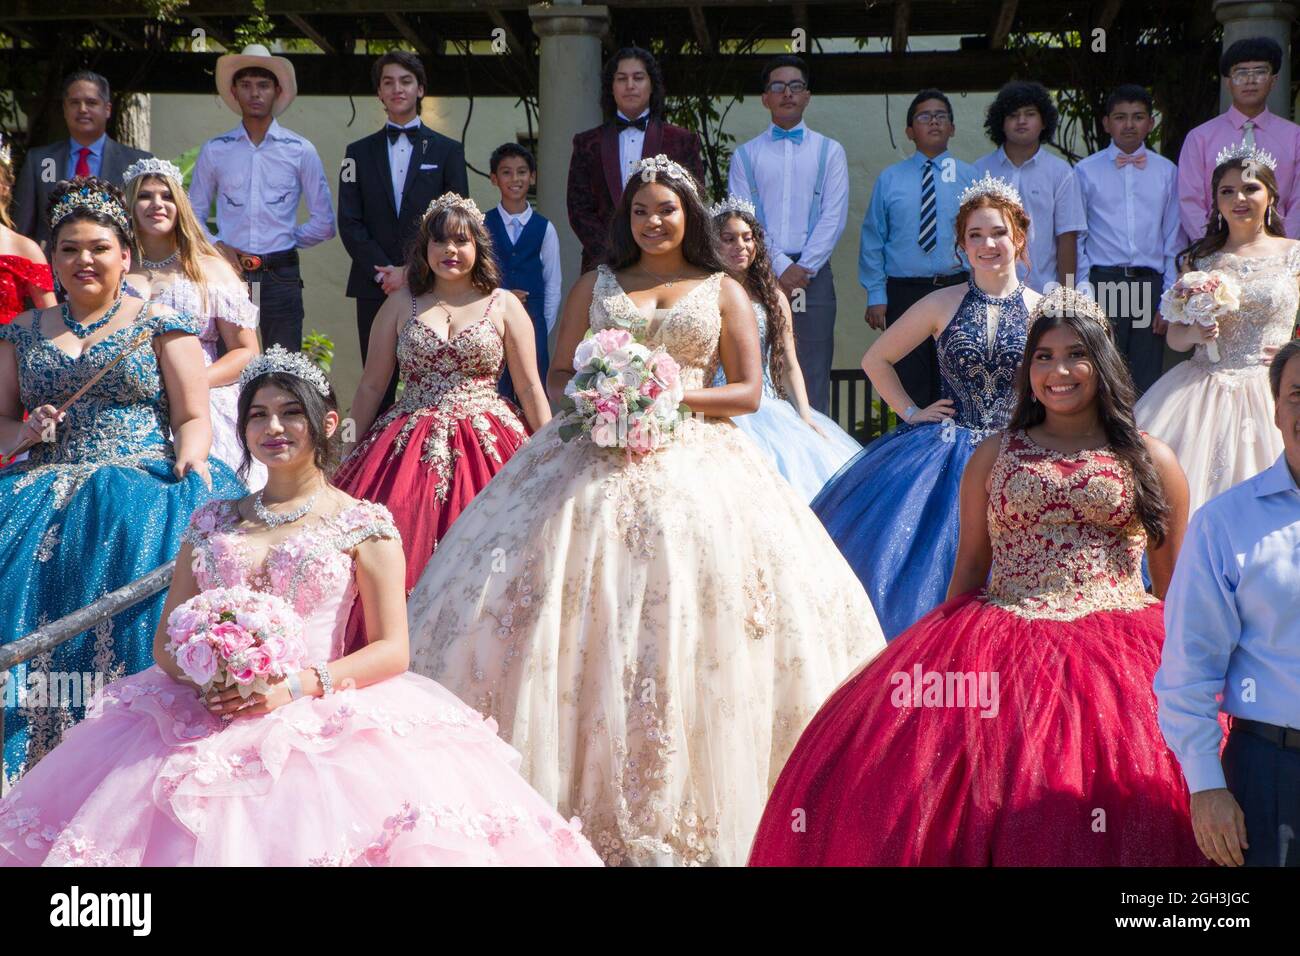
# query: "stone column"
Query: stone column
{"points": [[1243, 19], [568, 103]]}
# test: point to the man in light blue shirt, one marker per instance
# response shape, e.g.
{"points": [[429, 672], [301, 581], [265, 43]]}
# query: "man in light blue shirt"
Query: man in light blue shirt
{"points": [[1232, 626], [907, 247]]}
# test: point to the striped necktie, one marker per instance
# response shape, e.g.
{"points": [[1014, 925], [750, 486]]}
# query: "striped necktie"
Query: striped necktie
{"points": [[928, 235]]}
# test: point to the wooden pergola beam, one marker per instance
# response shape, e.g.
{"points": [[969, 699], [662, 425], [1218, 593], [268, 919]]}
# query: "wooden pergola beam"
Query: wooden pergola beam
{"points": [[213, 30], [1002, 25], [114, 30], [311, 33], [701, 27], [902, 22], [408, 33], [19, 33]]}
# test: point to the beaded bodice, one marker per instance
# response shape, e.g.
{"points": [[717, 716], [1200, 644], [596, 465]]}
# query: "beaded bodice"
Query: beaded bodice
{"points": [[980, 351], [765, 353], [464, 367], [124, 414], [1066, 536], [18, 275], [1269, 298], [312, 569], [689, 331]]}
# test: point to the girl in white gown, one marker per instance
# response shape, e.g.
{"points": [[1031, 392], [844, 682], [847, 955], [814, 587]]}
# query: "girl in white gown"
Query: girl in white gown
{"points": [[652, 634], [1218, 416]]}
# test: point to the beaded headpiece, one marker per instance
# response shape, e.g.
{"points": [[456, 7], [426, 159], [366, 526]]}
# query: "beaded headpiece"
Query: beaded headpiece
{"points": [[732, 204], [95, 200], [278, 359], [454, 201], [1248, 153], [990, 185], [650, 169], [152, 166], [1066, 300]]}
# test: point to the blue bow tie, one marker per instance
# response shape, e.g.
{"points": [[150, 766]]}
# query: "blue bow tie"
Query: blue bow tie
{"points": [[779, 134]]}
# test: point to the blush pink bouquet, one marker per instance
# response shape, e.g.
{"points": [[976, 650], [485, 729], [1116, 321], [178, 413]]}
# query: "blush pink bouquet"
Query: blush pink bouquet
{"points": [[236, 637], [1202, 298]]}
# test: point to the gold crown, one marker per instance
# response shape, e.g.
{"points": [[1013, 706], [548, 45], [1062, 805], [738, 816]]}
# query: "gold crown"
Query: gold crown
{"points": [[92, 199], [454, 201]]}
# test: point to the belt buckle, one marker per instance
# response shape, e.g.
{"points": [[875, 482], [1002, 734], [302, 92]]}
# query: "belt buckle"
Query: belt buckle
{"points": [[250, 263]]}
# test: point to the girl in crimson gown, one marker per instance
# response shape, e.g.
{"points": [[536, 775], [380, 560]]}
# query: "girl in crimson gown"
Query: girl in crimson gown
{"points": [[451, 331], [24, 273], [1015, 724]]}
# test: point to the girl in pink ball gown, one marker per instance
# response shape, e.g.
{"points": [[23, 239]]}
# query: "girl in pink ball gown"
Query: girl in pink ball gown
{"points": [[352, 761], [1015, 724]]}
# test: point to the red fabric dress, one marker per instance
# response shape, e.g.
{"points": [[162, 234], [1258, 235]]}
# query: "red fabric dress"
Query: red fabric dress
{"points": [[20, 279], [431, 453], [1011, 726]]}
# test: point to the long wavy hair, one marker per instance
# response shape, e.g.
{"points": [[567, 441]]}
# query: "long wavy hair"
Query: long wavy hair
{"points": [[760, 282], [1063, 308], [699, 244], [1216, 230], [453, 221], [192, 240], [6, 190]]}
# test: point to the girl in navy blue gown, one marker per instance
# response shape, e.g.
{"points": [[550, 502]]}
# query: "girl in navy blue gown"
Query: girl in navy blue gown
{"points": [[892, 510]]}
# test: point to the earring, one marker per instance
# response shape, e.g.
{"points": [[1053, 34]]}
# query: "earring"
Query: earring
{"points": [[1218, 221], [1269, 214]]}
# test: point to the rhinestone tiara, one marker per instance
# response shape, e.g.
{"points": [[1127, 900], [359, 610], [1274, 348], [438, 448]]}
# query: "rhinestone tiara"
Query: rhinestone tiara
{"points": [[990, 185], [649, 170], [95, 200], [732, 204], [455, 201], [1249, 153], [152, 166], [1066, 300], [278, 359]]}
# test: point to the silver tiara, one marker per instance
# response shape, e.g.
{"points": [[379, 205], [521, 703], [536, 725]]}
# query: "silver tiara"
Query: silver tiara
{"points": [[152, 166], [454, 201], [732, 204], [990, 185], [649, 170], [1066, 301], [278, 359], [1248, 153]]}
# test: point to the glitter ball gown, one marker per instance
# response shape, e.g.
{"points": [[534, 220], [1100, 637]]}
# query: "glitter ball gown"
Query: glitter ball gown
{"points": [[210, 303], [433, 451], [652, 634], [1011, 726], [893, 510], [803, 457], [87, 514], [19, 279], [399, 772], [1218, 416]]}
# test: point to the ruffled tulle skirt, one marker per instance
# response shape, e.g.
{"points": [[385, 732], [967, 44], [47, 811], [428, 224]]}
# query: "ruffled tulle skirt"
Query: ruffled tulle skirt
{"points": [[803, 457], [398, 773], [981, 737], [893, 513]]}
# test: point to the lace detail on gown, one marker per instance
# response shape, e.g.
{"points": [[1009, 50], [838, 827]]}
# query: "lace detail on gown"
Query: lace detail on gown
{"points": [[1067, 540], [980, 351], [1269, 299]]}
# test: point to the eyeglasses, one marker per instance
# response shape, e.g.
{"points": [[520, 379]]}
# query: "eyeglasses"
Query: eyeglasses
{"points": [[1243, 76], [937, 116], [780, 86]]}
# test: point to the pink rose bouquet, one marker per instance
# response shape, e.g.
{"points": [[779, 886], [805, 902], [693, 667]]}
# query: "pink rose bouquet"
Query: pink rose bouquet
{"points": [[1203, 298], [236, 637]]}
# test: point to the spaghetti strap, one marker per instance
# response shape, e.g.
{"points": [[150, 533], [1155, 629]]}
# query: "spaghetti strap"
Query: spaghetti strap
{"points": [[491, 299]]}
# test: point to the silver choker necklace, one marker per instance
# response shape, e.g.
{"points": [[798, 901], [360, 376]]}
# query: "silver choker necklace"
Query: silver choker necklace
{"points": [[273, 520], [152, 266]]}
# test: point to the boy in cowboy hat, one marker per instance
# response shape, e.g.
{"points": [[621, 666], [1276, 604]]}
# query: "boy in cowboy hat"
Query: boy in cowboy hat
{"points": [[256, 173]]}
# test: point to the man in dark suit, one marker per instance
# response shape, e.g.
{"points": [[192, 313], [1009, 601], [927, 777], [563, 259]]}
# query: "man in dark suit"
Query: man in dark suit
{"points": [[88, 152], [604, 158], [387, 181]]}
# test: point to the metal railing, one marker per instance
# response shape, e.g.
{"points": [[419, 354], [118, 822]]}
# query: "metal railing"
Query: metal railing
{"points": [[854, 408]]}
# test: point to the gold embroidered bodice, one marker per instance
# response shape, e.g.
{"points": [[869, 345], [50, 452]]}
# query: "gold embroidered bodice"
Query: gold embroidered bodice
{"points": [[1066, 537]]}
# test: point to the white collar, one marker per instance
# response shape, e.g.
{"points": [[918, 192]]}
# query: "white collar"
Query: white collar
{"points": [[523, 217], [644, 112], [411, 125]]}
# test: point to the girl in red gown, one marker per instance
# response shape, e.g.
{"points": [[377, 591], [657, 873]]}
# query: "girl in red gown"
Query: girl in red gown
{"points": [[24, 273], [450, 330], [1015, 724]]}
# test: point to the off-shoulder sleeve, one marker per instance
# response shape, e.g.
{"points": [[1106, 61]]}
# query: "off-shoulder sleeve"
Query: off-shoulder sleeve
{"points": [[177, 322], [10, 332], [232, 304], [366, 520], [38, 275], [207, 518]]}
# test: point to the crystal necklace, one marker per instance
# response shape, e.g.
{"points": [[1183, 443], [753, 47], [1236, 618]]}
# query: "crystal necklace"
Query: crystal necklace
{"points": [[151, 267], [85, 331], [273, 520]]}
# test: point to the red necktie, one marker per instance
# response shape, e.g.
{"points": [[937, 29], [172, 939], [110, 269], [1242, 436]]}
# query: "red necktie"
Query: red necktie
{"points": [[83, 161], [1137, 159]]}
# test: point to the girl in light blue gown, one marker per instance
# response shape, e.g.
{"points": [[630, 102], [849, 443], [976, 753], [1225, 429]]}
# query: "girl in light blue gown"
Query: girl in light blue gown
{"points": [[893, 510], [806, 446]]}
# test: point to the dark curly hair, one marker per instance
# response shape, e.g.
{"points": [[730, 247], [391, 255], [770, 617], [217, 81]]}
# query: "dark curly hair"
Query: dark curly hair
{"points": [[451, 221], [314, 406], [760, 283], [125, 234], [699, 244], [607, 104], [1017, 95]]}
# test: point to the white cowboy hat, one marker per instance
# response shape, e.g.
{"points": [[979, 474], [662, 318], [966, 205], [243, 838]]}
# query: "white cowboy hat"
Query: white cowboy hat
{"points": [[255, 54]]}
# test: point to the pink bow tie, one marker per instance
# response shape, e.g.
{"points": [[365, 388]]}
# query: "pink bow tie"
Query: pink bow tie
{"points": [[1137, 159]]}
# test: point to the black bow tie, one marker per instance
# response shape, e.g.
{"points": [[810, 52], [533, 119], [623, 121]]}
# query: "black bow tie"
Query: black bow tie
{"points": [[410, 132], [639, 123]]}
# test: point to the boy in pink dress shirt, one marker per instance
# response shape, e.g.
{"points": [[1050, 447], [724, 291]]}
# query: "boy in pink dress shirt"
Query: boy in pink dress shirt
{"points": [[1250, 67]]}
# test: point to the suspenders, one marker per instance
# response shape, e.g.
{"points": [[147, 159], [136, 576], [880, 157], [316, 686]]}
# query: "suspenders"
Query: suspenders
{"points": [[814, 208]]}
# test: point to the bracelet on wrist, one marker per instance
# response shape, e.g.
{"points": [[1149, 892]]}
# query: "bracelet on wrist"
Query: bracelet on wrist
{"points": [[323, 674], [909, 412]]}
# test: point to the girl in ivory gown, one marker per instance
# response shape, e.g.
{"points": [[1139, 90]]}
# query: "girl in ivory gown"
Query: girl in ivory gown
{"points": [[652, 632]]}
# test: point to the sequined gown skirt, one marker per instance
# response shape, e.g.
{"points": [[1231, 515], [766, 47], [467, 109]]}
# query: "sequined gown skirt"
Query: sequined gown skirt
{"points": [[69, 534], [1217, 420], [652, 635], [804, 458], [981, 737], [893, 513]]}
